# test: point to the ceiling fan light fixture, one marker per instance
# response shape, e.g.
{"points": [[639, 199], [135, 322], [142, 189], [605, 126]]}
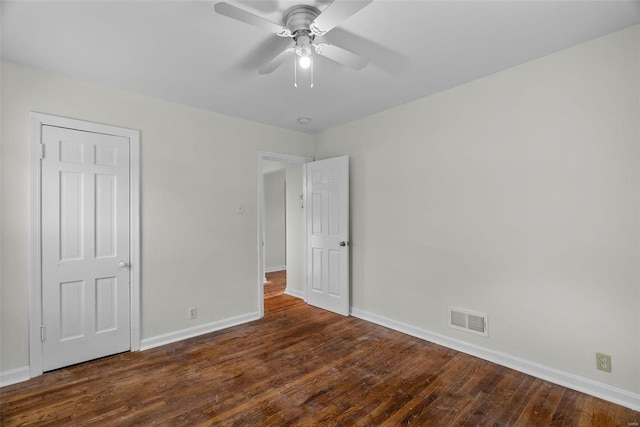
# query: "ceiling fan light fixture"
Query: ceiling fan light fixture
{"points": [[303, 49], [304, 121], [303, 45], [304, 62]]}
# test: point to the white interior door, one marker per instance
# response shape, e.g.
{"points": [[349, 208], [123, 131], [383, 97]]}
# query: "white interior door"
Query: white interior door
{"points": [[85, 246], [327, 202]]}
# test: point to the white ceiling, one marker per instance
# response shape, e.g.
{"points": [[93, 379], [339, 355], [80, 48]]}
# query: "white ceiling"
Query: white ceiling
{"points": [[184, 52]]}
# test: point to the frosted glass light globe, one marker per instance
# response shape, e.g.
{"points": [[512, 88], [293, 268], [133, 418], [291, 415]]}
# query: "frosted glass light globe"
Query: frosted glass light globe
{"points": [[304, 61]]}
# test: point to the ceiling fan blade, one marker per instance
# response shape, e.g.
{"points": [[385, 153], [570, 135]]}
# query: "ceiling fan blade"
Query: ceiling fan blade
{"points": [[378, 55], [335, 13], [242, 15], [341, 55], [270, 66]]}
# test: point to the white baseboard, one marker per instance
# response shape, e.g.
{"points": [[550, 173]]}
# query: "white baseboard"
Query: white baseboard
{"points": [[183, 334], [294, 293], [565, 379], [274, 269], [14, 376]]}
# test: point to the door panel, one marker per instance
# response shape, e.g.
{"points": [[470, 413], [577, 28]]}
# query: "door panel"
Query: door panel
{"points": [[71, 310], [85, 233], [328, 227], [106, 233], [106, 304], [71, 215]]}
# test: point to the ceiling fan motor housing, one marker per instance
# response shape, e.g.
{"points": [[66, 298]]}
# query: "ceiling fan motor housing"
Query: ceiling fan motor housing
{"points": [[300, 18], [297, 20]]}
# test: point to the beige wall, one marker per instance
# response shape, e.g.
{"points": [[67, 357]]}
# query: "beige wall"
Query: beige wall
{"points": [[275, 249], [516, 195], [296, 232], [196, 167]]}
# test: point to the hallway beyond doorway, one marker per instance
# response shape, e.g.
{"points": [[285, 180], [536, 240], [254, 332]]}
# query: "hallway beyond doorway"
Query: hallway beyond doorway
{"points": [[276, 284]]}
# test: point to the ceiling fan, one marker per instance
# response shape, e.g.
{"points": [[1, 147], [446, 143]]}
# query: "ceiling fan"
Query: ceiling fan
{"points": [[305, 25]]}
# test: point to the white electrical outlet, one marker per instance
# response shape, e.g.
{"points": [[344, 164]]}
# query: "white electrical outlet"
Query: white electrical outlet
{"points": [[603, 362], [193, 312]]}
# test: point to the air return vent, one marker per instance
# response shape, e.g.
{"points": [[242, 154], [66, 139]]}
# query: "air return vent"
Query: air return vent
{"points": [[469, 321]]}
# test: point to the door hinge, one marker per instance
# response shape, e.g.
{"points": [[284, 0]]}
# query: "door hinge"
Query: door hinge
{"points": [[41, 151], [43, 334]]}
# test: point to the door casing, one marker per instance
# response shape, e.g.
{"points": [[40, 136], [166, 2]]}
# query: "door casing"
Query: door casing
{"points": [[38, 120]]}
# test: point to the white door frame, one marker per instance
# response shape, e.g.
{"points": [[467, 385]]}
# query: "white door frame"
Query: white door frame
{"points": [[276, 157], [38, 120]]}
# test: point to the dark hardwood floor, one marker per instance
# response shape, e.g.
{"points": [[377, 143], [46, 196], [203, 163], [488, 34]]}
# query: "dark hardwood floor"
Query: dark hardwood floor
{"points": [[300, 366], [274, 286]]}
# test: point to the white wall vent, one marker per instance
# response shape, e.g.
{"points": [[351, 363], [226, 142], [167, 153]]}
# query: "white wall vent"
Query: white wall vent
{"points": [[469, 321]]}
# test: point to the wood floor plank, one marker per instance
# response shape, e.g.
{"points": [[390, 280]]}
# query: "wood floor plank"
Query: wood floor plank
{"points": [[517, 403], [301, 366]]}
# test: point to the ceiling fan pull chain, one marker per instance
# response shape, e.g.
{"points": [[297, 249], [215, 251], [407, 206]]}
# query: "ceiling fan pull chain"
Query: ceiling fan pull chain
{"points": [[312, 61], [295, 71]]}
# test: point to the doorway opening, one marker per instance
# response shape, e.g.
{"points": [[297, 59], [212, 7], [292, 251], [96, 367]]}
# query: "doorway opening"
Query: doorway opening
{"points": [[288, 255]]}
